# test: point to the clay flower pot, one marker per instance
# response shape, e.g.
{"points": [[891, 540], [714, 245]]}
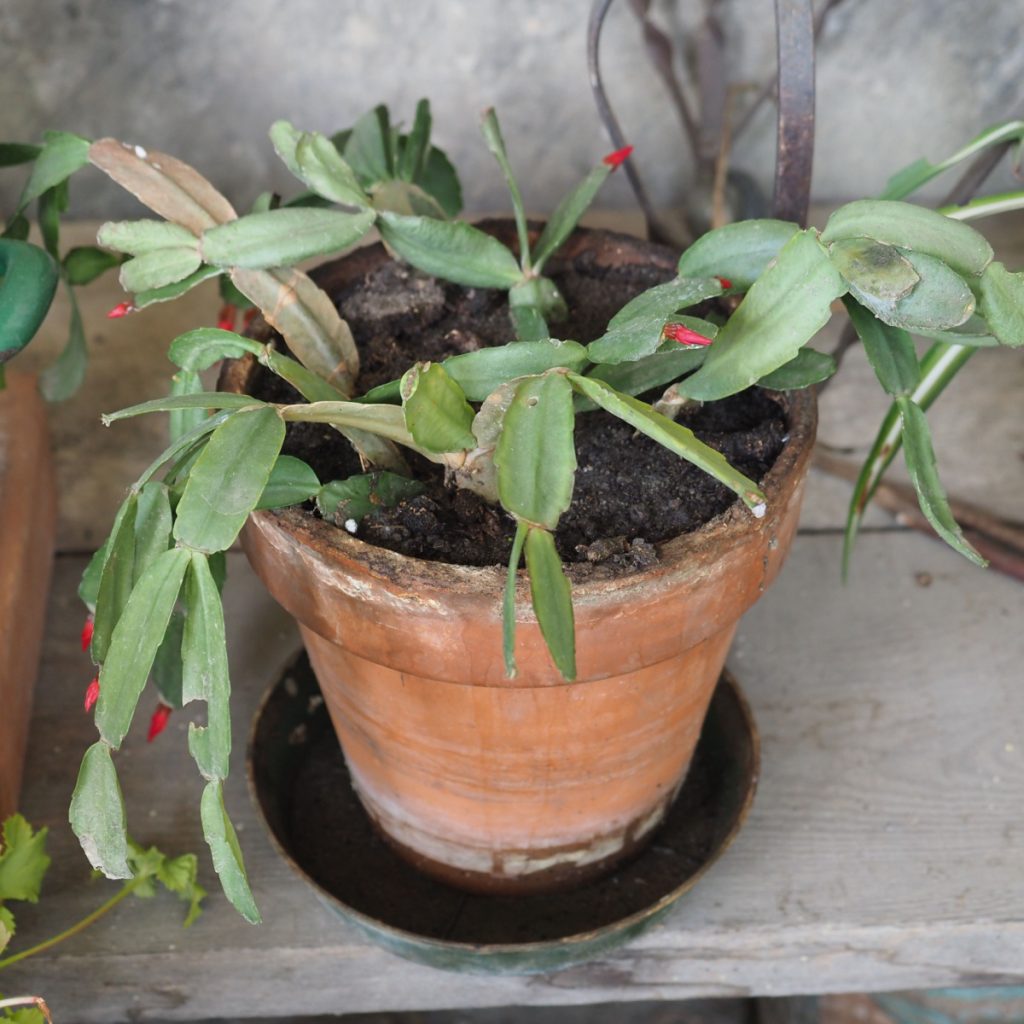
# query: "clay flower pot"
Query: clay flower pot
{"points": [[502, 785]]}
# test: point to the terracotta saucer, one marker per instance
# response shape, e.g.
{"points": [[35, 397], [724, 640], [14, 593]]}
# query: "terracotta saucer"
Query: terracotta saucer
{"points": [[299, 780]]}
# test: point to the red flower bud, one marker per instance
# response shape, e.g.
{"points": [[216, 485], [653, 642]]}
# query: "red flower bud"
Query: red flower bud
{"points": [[725, 283], [87, 633], [120, 310], [618, 158], [684, 335], [158, 722], [92, 694], [249, 315], [226, 317]]}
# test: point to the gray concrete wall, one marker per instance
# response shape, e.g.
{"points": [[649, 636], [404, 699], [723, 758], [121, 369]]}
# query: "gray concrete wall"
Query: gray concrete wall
{"points": [[204, 79]]}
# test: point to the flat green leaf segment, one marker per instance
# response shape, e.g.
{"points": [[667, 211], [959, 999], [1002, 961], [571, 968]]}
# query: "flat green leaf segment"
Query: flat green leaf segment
{"points": [[535, 456], [479, 373], [738, 252], [566, 216], [508, 607], [939, 366], [222, 489], [343, 500], [1001, 303], [291, 482], [437, 414], [260, 241], [919, 173], [134, 643], [889, 350], [636, 330], [204, 658], [920, 459], [806, 368], [551, 595], [227, 855], [28, 279], [780, 313], [496, 144], [315, 160], [673, 436], [453, 250], [61, 155], [97, 813], [915, 228], [23, 860]]}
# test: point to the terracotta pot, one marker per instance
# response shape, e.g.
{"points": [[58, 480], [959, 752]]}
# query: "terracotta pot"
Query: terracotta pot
{"points": [[517, 785]]}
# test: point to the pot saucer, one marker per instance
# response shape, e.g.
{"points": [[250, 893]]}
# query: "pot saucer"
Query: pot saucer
{"points": [[300, 783]]}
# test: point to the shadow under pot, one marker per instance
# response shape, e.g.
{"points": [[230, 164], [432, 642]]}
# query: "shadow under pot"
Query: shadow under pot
{"points": [[519, 785]]}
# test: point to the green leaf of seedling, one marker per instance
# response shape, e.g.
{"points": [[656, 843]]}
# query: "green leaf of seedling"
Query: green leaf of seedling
{"points": [[941, 300], [542, 294], [358, 496], [167, 665], [222, 489], [63, 378], [313, 159], [260, 241], [439, 179], [508, 608], [7, 927], [205, 674], [535, 455], [28, 279], [653, 371], [780, 313], [1001, 303], [453, 250], [159, 269], [227, 855], [496, 144], [199, 349], [153, 522], [406, 198], [912, 227], [635, 331], [14, 153], [85, 263], [436, 411], [529, 323], [62, 154], [673, 436], [89, 585], [133, 646], [889, 350], [909, 179], [873, 269], [368, 149], [920, 459], [291, 482], [179, 875], [116, 578], [18, 229], [52, 203], [567, 215], [413, 148], [806, 368], [308, 384], [23, 860], [181, 421], [479, 373], [203, 400], [739, 252], [974, 333], [140, 237], [173, 291], [552, 600], [97, 813]]}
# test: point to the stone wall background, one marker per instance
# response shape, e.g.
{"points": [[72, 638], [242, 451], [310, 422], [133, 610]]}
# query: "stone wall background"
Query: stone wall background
{"points": [[203, 79]]}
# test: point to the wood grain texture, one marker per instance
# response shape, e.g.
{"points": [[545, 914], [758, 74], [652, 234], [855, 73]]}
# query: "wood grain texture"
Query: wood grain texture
{"points": [[27, 524], [884, 850]]}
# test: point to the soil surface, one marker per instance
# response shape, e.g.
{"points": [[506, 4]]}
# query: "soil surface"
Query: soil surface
{"points": [[630, 492]]}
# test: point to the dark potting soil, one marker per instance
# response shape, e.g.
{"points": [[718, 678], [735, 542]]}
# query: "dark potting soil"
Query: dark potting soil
{"points": [[630, 492]]}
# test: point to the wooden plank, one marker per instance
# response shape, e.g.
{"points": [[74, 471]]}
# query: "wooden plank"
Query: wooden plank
{"points": [[884, 850], [28, 512]]}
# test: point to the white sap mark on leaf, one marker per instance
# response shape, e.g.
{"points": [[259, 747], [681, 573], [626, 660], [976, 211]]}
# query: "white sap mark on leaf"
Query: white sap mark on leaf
{"points": [[759, 510], [140, 152], [351, 525]]}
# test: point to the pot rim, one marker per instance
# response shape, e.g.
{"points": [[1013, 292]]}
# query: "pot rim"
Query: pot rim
{"points": [[590, 583]]}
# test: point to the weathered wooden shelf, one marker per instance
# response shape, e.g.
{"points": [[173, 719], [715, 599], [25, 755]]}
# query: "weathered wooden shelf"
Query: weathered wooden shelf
{"points": [[886, 845]]}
